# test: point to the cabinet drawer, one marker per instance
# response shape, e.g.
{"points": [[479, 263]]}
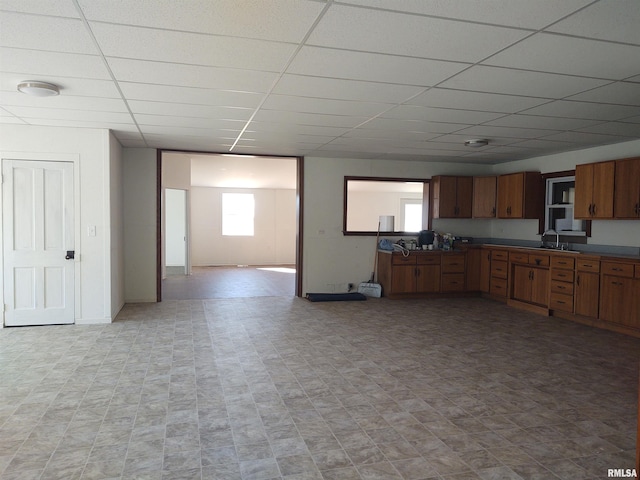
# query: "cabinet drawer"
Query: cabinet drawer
{"points": [[429, 259], [452, 263], [499, 255], [562, 287], [562, 275], [563, 262], [540, 260], [499, 269], [453, 282], [559, 301], [618, 269], [402, 260], [498, 287], [519, 257], [585, 265]]}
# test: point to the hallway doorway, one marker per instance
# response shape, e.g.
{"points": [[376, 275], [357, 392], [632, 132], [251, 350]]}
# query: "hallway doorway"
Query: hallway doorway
{"points": [[223, 262]]}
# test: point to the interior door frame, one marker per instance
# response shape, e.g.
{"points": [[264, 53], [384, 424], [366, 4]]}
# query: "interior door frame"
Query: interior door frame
{"points": [[160, 216], [48, 157], [187, 230]]}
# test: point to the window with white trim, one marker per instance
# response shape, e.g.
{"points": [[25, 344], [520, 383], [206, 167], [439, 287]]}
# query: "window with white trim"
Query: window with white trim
{"points": [[238, 213]]}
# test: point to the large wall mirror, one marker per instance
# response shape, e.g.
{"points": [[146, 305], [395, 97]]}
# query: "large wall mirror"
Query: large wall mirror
{"points": [[400, 205]]}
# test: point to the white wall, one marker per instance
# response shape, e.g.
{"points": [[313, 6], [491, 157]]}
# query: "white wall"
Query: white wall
{"points": [[331, 260], [273, 242], [140, 179], [175, 214], [116, 226], [603, 232], [89, 150]]}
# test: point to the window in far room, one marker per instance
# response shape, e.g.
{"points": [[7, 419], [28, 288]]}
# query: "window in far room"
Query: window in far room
{"points": [[238, 212], [411, 214]]}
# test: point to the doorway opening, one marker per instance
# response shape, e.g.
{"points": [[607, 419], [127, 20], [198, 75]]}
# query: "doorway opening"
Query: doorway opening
{"points": [[240, 234]]}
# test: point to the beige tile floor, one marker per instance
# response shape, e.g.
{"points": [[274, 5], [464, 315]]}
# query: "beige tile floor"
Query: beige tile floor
{"points": [[282, 388]]}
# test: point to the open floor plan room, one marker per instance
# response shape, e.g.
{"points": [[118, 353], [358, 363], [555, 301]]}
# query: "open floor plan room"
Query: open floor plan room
{"points": [[281, 388]]}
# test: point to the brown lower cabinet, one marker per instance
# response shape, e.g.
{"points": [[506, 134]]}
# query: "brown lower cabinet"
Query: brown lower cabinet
{"points": [[618, 294]]}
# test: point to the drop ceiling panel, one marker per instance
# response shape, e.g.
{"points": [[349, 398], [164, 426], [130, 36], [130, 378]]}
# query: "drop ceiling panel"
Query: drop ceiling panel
{"points": [[189, 110], [508, 132], [323, 106], [631, 130], [343, 64], [58, 8], [66, 102], [45, 64], [188, 95], [464, 100], [518, 82], [322, 87], [285, 21], [595, 111], [572, 56], [622, 93], [533, 121], [233, 127], [414, 112], [614, 20], [31, 113], [191, 48], [45, 33], [308, 118], [514, 13], [411, 35], [271, 127], [544, 144], [385, 124], [584, 138], [190, 75]]}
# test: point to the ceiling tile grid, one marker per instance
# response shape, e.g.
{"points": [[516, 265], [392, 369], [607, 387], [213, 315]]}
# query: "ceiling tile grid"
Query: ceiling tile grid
{"points": [[406, 80]]}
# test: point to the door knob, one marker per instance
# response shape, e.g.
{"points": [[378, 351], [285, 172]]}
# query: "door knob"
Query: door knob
{"points": [[71, 254]]}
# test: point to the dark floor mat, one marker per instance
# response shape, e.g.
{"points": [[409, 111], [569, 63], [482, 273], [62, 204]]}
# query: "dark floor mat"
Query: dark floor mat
{"points": [[335, 297]]}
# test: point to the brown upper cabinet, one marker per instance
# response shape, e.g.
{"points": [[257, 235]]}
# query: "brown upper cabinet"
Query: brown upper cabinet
{"points": [[594, 190], [452, 196], [484, 196], [627, 191], [520, 195]]}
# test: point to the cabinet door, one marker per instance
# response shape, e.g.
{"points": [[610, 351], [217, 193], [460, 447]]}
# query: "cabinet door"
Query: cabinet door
{"points": [[540, 286], [464, 196], [603, 178], [472, 269], [587, 293], [584, 191], [485, 270], [521, 283], [444, 197], [428, 278], [627, 188], [484, 197], [510, 195], [403, 278], [616, 302]]}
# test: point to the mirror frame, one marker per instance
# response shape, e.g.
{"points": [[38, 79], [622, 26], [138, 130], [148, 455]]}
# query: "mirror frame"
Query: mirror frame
{"points": [[426, 207]]}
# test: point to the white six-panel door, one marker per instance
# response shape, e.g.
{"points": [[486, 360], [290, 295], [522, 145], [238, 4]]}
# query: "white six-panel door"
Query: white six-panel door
{"points": [[38, 233]]}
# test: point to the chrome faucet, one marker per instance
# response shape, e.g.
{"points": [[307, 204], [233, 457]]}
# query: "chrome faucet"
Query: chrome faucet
{"points": [[551, 230]]}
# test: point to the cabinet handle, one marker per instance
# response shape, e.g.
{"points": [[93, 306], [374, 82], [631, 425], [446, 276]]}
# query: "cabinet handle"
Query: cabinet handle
{"points": [[561, 301], [637, 208], [591, 209], [493, 212], [578, 280], [616, 269], [417, 272], [594, 208]]}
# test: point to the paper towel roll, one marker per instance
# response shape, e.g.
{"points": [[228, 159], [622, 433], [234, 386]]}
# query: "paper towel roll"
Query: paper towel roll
{"points": [[386, 223]]}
